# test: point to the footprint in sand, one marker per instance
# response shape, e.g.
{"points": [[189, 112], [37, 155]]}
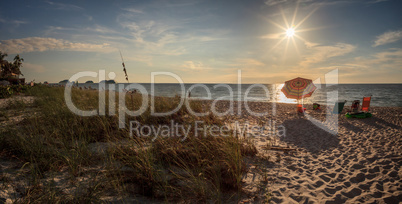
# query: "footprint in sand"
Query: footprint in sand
{"points": [[370, 176], [393, 174], [360, 177], [377, 194], [357, 166], [325, 178], [352, 193], [375, 169], [339, 178], [318, 184], [338, 198], [332, 191], [347, 184], [296, 198]]}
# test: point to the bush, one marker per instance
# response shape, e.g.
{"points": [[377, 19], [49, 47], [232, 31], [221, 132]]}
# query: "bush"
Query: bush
{"points": [[8, 91]]}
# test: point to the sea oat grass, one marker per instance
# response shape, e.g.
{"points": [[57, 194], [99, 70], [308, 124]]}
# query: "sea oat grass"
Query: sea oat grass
{"points": [[197, 168]]}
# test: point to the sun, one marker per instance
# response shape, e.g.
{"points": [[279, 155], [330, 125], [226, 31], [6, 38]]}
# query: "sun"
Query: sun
{"points": [[291, 29], [290, 32]]}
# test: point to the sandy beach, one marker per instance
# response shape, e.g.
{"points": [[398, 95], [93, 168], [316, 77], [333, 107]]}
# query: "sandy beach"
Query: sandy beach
{"points": [[198, 101], [360, 163]]}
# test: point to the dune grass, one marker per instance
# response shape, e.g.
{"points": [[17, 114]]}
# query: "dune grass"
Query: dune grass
{"points": [[55, 141]]}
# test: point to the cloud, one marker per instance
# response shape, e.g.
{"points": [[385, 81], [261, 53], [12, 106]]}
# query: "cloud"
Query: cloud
{"points": [[377, 1], [16, 23], [369, 68], [247, 62], [101, 29], [310, 44], [153, 37], [274, 2], [133, 10], [192, 65], [38, 44], [391, 58], [306, 3], [141, 58], [388, 37], [52, 30], [33, 67], [319, 53], [274, 36], [67, 7]]}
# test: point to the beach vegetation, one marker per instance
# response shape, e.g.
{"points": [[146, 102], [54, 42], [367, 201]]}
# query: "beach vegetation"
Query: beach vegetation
{"points": [[97, 159], [10, 69], [9, 90]]}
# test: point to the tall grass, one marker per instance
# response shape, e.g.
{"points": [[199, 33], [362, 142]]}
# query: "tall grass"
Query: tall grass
{"points": [[197, 169]]}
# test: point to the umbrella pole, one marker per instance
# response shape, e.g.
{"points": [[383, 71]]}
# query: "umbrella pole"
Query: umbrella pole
{"points": [[298, 89]]}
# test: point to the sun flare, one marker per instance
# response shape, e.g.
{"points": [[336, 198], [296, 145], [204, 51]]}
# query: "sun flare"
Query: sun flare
{"points": [[291, 29], [290, 32]]}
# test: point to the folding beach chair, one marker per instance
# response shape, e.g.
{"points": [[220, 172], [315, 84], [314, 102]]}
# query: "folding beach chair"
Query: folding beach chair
{"points": [[366, 103], [338, 107], [316, 106]]}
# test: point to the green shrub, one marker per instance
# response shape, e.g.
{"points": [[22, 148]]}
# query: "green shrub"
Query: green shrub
{"points": [[8, 91]]}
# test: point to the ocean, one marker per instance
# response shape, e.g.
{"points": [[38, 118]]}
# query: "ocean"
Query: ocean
{"points": [[384, 95]]}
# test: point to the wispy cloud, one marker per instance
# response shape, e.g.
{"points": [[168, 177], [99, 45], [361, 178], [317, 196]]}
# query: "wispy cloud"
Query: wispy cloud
{"points": [[52, 30], [38, 44], [306, 3], [274, 2], [320, 53], [388, 37], [67, 7], [374, 65], [391, 58], [153, 37], [16, 23], [140, 58], [274, 36], [376, 1], [133, 10], [193, 66], [247, 63], [101, 29]]}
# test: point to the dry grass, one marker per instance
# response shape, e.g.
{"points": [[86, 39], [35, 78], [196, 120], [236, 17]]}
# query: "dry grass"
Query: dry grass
{"points": [[56, 141]]}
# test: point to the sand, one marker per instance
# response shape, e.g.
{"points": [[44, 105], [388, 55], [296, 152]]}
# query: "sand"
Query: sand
{"points": [[359, 163]]}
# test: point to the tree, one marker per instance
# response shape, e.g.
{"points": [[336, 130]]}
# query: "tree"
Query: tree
{"points": [[16, 65], [4, 65], [2, 56], [8, 69]]}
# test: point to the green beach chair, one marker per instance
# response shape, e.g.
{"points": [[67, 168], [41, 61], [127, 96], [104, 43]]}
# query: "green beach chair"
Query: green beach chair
{"points": [[338, 107]]}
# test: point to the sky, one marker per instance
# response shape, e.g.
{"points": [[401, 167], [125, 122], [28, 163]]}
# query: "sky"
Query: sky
{"points": [[206, 41]]}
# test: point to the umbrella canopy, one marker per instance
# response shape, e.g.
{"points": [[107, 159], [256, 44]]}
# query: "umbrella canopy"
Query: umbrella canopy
{"points": [[298, 88]]}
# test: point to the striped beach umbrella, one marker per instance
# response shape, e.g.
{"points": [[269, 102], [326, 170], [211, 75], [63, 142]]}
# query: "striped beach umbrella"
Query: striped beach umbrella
{"points": [[298, 88]]}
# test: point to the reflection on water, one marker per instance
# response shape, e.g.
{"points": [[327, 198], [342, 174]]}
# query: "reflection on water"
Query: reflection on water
{"points": [[280, 96], [383, 94]]}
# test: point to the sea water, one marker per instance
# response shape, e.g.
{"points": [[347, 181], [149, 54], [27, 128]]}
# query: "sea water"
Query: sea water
{"points": [[385, 95]]}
